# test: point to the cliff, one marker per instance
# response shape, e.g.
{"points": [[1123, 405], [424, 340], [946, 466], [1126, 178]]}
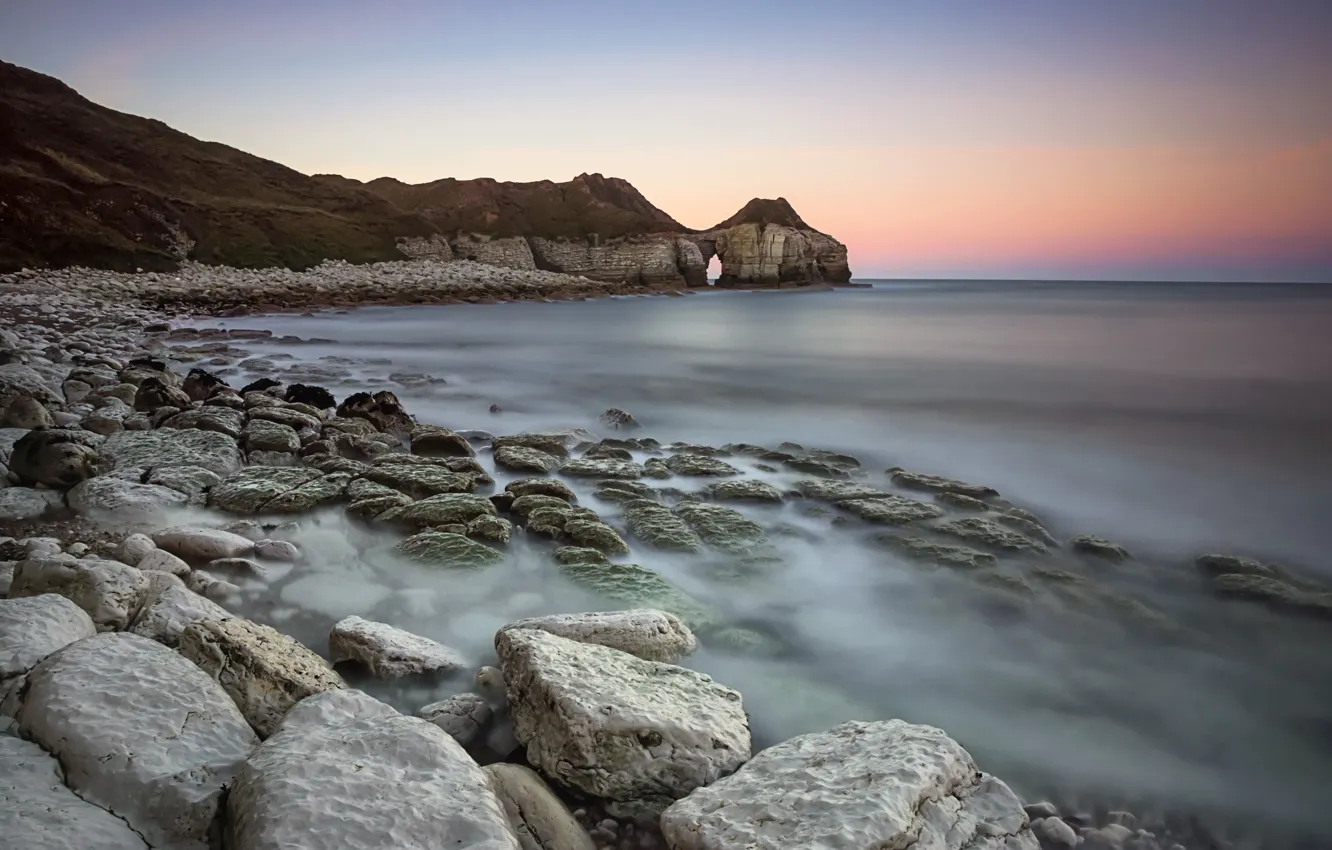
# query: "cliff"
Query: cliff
{"points": [[81, 184], [766, 243]]}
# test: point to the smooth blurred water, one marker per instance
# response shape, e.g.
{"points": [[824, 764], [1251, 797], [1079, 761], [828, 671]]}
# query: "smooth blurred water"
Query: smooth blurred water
{"points": [[1172, 419]]}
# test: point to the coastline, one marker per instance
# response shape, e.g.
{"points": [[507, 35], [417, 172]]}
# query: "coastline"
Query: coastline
{"points": [[112, 322]]}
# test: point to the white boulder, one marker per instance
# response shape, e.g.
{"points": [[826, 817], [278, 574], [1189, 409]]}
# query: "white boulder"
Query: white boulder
{"points": [[134, 548], [388, 652], [202, 544], [140, 731], [263, 670], [351, 770], [463, 716], [23, 503], [34, 627], [162, 561], [650, 634], [171, 608], [855, 787], [109, 591], [617, 727], [109, 496], [37, 810]]}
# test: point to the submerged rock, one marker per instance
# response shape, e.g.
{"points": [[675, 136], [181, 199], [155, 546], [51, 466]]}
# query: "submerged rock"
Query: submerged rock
{"points": [[632, 585], [890, 510], [1090, 544], [659, 527], [649, 634], [437, 441], [329, 767], [720, 526], [389, 652], [944, 554], [586, 468], [1274, 593], [838, 491], [523, 459], [939, 484], [264, 671], [987, 533], [699, 465], [595, 534], [617, 727], [859, 785], [444, 549]]}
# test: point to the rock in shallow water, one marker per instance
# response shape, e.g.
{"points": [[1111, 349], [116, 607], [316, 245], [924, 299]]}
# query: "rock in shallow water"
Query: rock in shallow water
{"points": [[389, 652], [445, 549], [349, 769], [649, 634], [463, 716], [139, 730], [617, 727], [857, 786], [202, 544]]}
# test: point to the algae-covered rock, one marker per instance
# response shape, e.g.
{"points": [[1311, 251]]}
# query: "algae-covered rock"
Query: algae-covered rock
{"points": [[579, 555], [838, 491], [447, 550], [745, 490], [585, 468], [446, 509], [1099, 547], [944, 554], [261, 435], [171, 447], [541, 487], [638, 587], [657, 526], [615, 494], [551, 444], [1030, 528], [223, 420], [1274, 593], [596, 535], [720, 526], [524, 506], [523, 459], [699, 465], [436, 441], [938, 484], [890, 510], [421, 480], [984, 532], [247, 491], [493, 528], [309, 495], [961, 502]]}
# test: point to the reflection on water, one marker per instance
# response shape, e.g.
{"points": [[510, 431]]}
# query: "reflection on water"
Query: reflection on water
{"points": [[1171, 419]]}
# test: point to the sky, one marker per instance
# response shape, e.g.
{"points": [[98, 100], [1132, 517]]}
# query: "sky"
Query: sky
{"points": [[1100, 139]]}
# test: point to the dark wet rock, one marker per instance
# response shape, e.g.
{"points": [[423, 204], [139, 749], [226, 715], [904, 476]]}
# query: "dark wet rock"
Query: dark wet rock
{"points": [[199, 384], [54, 457], [221, 420], [984, 532], [523, 506], [171, 447], [944, 554], [584, 468], [493, 528], [496, 410], [297, 420], [720, 526], [699, 465], [24, 411], [1274, 593], [616, 418], [315, 396], [890, 510], [447, 550], [445, 509], [225, 398], [364, 448], [548, 443], [1031, 529], [635, 587], [961, 502], [522, 459], [193, 481], [254, 490], [813, 466], [383, 410], [744, 490], [415, 379], [655, 467], [142, 369], [1098, 547], [421, 480], [601, 451], [372, 507], [264, 385], [465, 465], [352, 427], [656, 525], [261, 435], [503, 501], [594, 534], [154, 393], [437, 441], [542, 487], [333, 463], [938, 484]]}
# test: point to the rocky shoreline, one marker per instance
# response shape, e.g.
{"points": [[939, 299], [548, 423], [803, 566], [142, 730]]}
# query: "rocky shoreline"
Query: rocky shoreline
{"points": [[138, 710]]}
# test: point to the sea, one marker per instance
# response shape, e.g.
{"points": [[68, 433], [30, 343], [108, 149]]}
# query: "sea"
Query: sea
{"points": [[1175, 420]]}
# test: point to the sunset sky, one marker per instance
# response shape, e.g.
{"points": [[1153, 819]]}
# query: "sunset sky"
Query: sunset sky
{"points": [[1158, 139]]}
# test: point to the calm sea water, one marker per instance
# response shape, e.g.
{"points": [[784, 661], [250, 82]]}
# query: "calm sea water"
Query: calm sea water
{"points": [[1172, 419]]}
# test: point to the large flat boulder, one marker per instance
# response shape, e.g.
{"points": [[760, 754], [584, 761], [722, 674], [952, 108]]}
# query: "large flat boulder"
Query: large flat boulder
{"points": [[263, 670], [649, 634], [108, 496], [37, 810], [614, 726], [171, 607], [139, 730], [202, 544], [856, 787], [110, 592], [389, 652], [25, 503], [36, 626], [346, 771], [210, 450]]}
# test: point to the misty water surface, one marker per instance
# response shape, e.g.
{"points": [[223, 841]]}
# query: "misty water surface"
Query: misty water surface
{"points": [[1174, 420]]}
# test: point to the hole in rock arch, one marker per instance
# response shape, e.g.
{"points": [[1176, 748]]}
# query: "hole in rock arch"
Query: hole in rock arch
{"points": [[714, 269]]}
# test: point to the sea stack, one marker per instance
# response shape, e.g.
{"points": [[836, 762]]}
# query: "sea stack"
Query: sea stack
{"points": [[767, 244]]}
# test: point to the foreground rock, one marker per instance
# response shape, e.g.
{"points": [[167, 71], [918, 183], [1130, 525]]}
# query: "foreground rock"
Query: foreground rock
{"points": [[209, 450], [617, 727], [37, 810], [538, 818], [463, 716], [35, 627], [390, 653], [140, 731], [889, 784], [649, 634], [263, 670], [57, 458], [110, 592], [346, 770]]}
